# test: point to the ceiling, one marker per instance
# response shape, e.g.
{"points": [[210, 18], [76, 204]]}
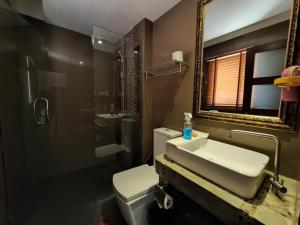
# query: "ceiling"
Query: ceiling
{"points": [[119, 16], [225, 16]]}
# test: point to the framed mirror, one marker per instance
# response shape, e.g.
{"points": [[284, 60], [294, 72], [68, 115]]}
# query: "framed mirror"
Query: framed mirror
{"points": [[241, 47]]}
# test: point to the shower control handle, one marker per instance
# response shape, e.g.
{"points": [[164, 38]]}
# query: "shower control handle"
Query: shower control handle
{"points": [[37, 118]]}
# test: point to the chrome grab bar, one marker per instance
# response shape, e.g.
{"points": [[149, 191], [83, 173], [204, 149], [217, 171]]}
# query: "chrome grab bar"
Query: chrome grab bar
{"points": [[37, 120]]}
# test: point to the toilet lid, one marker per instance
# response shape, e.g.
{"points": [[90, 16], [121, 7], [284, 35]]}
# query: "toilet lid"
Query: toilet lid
{"points": [[133, 183]]}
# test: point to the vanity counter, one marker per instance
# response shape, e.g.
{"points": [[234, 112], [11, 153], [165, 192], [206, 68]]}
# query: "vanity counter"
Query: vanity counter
{"points": [[265, 208]]}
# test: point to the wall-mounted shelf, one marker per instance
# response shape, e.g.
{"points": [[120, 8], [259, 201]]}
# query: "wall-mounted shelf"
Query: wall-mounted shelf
{"points": [[167, 68], [291, 81]]}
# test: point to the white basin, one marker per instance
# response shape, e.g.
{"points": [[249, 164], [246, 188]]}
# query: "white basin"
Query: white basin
{"points": [[239, 170], [111, 116]]}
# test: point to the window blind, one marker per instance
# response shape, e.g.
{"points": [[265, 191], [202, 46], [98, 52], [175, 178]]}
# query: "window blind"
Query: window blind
{"points": [[225, 81]]}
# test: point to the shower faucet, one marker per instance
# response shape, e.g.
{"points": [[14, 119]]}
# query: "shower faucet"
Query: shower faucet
{"points": [[277, 185]]}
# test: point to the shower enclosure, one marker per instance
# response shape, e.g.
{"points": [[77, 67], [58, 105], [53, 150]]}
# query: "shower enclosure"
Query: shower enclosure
{"points": [[117, 123], [67, 120]]}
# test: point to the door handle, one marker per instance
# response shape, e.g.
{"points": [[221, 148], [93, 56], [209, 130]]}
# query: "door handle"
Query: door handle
{"points": [[38, 118]]}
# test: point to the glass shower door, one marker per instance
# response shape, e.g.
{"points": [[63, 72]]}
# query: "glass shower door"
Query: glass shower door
{"points": [[47, 129], [13, 176], [67, 121]]}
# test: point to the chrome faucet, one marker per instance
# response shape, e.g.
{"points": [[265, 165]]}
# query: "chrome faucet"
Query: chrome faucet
{"points": [[277, 185]]}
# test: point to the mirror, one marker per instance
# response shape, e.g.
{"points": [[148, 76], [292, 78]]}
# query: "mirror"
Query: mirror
{"points": [[242, 46]]}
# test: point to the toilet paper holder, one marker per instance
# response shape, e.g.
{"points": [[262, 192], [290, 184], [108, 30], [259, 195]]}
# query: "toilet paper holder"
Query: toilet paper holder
{"points": [[163, 199]]}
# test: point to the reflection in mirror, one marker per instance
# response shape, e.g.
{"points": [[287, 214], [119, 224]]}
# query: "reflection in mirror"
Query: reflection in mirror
{"points": [[244, 50]]}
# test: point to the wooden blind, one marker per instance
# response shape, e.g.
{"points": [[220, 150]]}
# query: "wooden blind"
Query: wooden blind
{"points": [[225, 81]]}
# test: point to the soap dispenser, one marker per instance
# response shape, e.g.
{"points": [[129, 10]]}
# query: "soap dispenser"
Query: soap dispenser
{"points": [[187, 130]]}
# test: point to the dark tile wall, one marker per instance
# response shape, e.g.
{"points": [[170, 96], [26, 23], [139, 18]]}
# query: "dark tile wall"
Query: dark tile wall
{"points": [[142, 36]]}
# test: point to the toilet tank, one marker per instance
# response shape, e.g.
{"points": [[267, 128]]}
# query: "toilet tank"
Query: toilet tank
{"points": [[160, 136]]}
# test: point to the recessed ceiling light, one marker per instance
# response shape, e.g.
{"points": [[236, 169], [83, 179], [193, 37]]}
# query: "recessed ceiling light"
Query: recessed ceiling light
{"points": [[100, 42], [80, 62]]}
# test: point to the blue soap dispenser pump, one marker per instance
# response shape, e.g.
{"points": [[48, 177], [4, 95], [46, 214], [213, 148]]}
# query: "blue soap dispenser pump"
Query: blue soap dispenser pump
{"points": [[187, 130]]}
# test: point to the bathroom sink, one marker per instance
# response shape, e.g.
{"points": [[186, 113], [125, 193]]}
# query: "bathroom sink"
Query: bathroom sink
{"points": [[239, 170], [111, 116]]}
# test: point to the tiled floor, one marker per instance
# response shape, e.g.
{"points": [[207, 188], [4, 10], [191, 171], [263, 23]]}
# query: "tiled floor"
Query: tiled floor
{"points": [[81, 198], [86, 198]]}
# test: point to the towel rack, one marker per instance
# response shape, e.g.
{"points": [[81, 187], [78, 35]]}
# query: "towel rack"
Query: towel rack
{"points": [[166, 68]]}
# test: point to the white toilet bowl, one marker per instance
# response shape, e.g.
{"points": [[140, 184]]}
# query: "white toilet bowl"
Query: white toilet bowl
{"points": [[134, 189]]}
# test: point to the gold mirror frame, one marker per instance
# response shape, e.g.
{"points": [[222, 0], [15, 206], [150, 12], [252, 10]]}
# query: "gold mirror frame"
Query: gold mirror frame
{"points": [[288, 112]]}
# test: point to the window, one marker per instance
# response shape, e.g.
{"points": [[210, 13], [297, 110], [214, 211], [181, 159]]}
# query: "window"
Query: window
{"points": [[243, 81], [265, 63], [225, 82]]}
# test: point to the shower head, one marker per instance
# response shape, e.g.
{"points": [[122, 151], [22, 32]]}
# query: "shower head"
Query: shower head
{"points": [[121, 55]]}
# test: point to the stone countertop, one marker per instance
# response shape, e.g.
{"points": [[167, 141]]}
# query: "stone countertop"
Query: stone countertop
{"points": [[265, 208]]}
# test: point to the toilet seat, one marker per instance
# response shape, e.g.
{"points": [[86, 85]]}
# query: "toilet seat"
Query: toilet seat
{"points": [[133, 183]]}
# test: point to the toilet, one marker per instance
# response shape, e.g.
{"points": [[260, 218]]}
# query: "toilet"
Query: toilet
{"points": [[134, 188]]}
